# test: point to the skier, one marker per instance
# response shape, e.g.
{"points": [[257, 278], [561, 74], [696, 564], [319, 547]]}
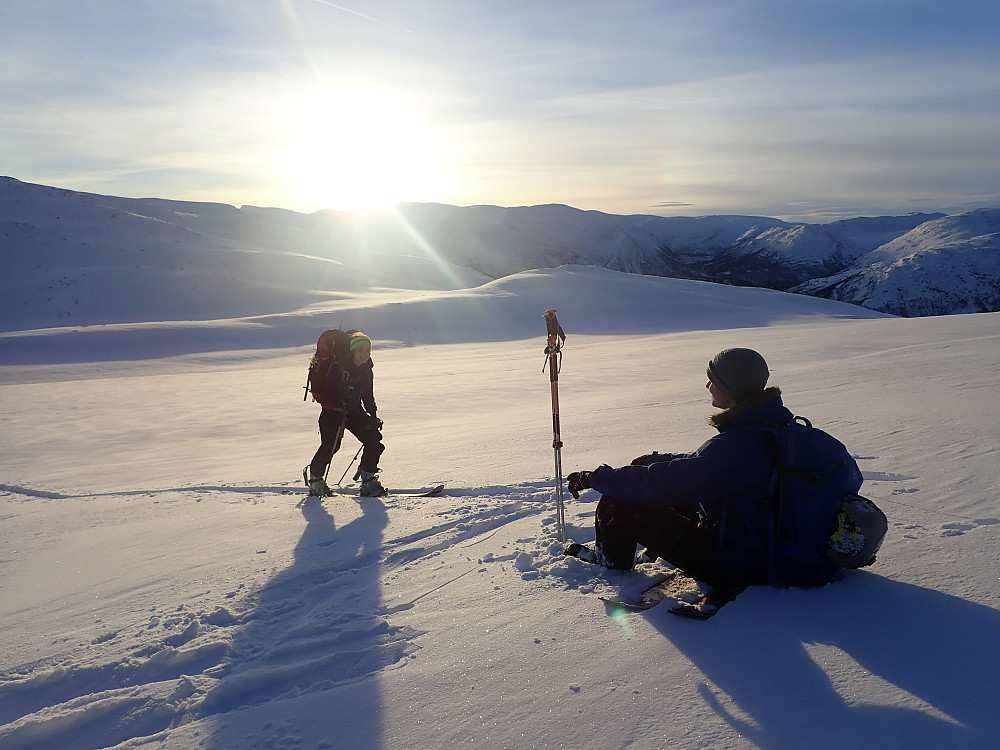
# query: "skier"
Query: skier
{"points": [[705, 512], [348, 400]]}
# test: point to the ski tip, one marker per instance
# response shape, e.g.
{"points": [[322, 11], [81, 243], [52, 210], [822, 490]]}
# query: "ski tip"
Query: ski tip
{"points": [[695, 611], [426, 492]]}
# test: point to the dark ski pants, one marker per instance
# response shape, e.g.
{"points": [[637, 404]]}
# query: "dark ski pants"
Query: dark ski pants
{"points": [[674, 534], [332, 423]]}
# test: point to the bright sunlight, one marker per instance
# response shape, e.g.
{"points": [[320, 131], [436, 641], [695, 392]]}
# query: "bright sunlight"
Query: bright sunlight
{"points": [[357, 149]]}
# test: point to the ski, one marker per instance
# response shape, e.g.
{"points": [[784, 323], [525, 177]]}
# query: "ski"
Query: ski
{"points": [[649, 597], [306, 493], [431, 491], [707, 605], [690, 598]]}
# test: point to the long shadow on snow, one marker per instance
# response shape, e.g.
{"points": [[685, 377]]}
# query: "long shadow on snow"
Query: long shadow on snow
{"points": [[934, 658], [311, 651]]}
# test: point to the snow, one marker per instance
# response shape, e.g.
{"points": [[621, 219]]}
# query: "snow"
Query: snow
{"points": [[185, 261], [159, 590], [943, 266]]}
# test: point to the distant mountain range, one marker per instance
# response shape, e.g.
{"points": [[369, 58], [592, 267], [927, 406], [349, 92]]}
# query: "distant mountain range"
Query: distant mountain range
{"points": [[200, 258]]}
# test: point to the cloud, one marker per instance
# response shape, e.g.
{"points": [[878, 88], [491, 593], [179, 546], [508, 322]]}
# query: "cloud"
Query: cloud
{"points": [[739, 107]]}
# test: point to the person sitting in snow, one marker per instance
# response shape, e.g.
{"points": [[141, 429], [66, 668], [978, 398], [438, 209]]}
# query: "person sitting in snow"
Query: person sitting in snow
{"points": [[703, 512], [348, 400]]}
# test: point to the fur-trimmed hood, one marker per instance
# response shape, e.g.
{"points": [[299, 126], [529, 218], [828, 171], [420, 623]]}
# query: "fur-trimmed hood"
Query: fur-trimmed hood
{"points": [[725, 419]]}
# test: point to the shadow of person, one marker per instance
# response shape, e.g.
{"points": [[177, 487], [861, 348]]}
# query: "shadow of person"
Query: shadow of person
{"points": [[308, 655], [866, 662]]}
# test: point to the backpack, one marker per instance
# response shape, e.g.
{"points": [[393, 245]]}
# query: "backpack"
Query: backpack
{"points": [[332, 347], [819, 522], [861, 527]]}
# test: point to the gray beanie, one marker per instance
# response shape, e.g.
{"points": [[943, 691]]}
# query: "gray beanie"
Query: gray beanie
{"points": [[738, 373]]}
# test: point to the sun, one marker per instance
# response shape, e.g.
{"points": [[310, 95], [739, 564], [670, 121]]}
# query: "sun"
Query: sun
{"points": [[352, 148]]}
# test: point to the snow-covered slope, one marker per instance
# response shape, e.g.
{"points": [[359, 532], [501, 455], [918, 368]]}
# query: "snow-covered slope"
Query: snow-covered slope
{"points": [[500, 241], [943, 266], [158, 591], [612, 302], [782, 256], [79, 259], [199, 261]]}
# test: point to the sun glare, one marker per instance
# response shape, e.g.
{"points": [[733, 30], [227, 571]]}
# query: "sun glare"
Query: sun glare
{"points": [[353, 149]]}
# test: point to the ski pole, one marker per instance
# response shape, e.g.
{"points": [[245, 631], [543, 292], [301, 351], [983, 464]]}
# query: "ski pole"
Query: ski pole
{"points": [[348, 465], [553, 352], [336, 447]]}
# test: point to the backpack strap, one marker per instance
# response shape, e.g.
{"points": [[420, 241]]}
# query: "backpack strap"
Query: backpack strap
{"points": [[786, 451], [784, 466], [778, 438]]}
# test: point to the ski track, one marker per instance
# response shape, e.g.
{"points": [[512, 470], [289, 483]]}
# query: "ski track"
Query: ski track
{"points": [[314, 627]]}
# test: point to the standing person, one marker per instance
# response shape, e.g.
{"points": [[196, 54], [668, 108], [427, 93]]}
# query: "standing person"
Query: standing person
{"points": [[709, 512], [348, 399]]}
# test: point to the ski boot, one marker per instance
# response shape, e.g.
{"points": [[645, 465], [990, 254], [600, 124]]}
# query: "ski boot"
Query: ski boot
{"points": [[370, 486], [646, 556], [582, 552], [317, 485]]}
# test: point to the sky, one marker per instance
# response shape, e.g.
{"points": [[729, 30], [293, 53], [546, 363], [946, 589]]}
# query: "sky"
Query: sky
{"points": [[804, 111]]}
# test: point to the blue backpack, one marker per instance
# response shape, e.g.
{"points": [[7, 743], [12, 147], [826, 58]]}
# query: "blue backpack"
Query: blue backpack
{"points": [[818, 521]]}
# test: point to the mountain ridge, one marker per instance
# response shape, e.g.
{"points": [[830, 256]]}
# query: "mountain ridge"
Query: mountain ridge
{"points": [[54, 239]]}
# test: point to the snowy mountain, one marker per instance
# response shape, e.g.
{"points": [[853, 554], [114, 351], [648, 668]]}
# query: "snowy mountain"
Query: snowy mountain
{"points": [[197, 261], [948, 265], [63, 251]]}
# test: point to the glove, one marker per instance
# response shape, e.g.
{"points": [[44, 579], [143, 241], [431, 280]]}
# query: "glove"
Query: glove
{"points": [[650, 458], [577, 482]]}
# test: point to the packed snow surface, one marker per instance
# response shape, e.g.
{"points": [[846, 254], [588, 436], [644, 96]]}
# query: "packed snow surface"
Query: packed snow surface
{"points": [[165, 583]]}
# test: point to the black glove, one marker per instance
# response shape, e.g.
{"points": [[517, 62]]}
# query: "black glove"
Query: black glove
{"points": [[577, 482], [650, 459]]}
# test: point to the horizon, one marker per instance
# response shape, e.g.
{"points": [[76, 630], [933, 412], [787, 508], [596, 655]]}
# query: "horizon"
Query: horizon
{"points": [[374, 211], [807, 114]]}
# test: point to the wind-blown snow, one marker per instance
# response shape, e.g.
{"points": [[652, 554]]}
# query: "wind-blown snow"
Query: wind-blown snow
{"points": [[159, 590]]}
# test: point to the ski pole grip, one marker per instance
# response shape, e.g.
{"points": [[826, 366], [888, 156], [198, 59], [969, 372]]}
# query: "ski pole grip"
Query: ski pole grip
{"points": [[556, 336]]}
